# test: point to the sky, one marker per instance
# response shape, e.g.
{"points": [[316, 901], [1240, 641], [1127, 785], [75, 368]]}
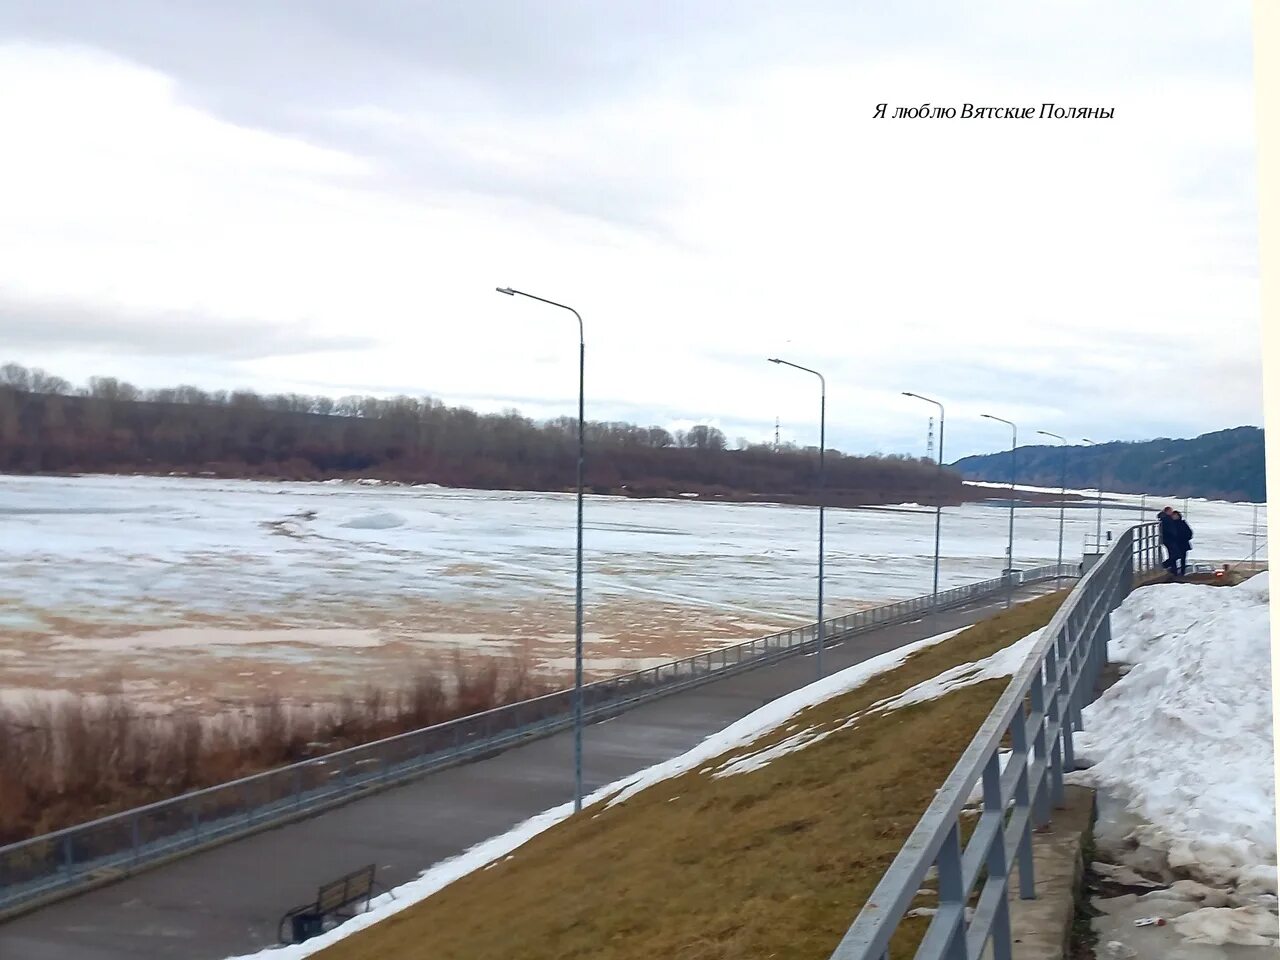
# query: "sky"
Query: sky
{"points": [[322, 198]]}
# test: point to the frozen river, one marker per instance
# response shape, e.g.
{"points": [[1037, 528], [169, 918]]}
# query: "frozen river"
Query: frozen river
{"points": [[184, 587]]}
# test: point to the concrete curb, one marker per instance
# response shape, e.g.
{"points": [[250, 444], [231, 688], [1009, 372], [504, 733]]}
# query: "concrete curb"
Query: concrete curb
{"points": [[1041, 927]]}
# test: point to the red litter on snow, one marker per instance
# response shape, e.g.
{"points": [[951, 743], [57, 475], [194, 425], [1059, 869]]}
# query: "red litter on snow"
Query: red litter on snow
{"points": [[1150, 922]]}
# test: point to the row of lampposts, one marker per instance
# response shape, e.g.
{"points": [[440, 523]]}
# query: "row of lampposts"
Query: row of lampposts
{"points": [[822, 444]]}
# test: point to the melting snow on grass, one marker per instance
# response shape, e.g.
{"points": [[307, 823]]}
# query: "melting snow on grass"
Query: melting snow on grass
{"points": [[1184, 740], [1003, 663]]}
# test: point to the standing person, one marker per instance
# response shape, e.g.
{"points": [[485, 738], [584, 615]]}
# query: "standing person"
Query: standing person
{"points": [[1168, 537], [1182, 533]]}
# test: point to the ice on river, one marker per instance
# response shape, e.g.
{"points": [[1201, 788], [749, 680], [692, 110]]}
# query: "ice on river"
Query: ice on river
{"points": [[153, 551]]}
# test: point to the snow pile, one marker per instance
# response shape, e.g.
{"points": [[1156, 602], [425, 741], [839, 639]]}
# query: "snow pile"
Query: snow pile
{"points": [[750, 728], [1184, 740]]}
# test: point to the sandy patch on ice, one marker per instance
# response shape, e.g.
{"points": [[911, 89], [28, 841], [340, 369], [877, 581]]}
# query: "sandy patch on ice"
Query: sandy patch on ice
{"points": [[203, 638], [225, 661]]}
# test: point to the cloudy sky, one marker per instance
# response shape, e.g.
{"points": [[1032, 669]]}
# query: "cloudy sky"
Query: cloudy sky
{"points": [[322, 197]]}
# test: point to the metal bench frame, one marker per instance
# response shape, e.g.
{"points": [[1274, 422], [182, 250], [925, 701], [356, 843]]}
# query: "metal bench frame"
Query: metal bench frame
{"points": [[338, 900]]}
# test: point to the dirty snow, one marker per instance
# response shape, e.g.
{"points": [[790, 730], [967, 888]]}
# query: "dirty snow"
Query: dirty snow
{"points": [[1184, 741]]}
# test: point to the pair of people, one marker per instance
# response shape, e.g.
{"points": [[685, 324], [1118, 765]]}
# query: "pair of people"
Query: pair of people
{"points": [[1175, 534]]}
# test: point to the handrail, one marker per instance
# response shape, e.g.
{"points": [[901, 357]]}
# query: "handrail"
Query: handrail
{"points": [[63, 861], [1039, 710]]}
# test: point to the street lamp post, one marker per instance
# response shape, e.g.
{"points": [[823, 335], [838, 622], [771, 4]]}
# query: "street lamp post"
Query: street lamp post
{"points": [[1013, 477], [577, 643], [1098, 535], [822, 449], [1062, 501], [937, 517]]}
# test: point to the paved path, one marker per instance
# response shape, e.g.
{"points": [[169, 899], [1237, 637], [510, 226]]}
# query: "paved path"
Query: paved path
{"points": [[228, 900]]}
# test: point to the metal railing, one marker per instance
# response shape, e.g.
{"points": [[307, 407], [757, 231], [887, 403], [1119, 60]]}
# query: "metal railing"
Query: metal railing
{"points": [[1039, 713], [66, 861]]}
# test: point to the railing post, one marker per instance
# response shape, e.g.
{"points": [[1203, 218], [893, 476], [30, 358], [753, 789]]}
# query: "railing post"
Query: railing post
{"points": [[951, 892], [1021, 803], [1079, 662], [1052, 712], [1040, 804], [1102, 639], [997, 866], [1068, 669]]}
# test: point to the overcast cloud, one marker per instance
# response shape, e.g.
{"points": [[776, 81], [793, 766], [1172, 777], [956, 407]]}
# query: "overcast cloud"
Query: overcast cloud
{"points": [[322, 197]]}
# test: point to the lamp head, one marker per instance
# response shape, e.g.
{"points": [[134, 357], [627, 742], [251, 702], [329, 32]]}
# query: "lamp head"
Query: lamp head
{"points": [[507, 290], [907, 393], [774, 360]]}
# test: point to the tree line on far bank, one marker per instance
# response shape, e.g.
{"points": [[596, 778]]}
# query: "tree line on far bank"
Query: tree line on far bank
{"points": [[48, 426]]}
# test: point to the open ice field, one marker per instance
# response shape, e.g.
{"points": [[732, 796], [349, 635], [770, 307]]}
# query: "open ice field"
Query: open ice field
{"points": [[184, 589]]}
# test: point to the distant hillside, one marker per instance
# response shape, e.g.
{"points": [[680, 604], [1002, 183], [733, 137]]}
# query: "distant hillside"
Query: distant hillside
{"points": [[1224, 465]]}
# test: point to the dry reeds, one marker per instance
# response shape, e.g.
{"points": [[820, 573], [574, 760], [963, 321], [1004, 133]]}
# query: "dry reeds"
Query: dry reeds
{"points": [[66, 761]]}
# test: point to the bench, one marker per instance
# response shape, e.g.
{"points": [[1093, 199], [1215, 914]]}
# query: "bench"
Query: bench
{"points": [[336, 901]]}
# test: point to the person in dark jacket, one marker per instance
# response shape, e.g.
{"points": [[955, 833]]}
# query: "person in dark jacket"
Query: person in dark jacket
{"points": [[1168, 537], [1182, 545]]}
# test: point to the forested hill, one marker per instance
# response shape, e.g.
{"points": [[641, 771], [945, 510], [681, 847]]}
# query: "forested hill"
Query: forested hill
{"points": [[1223, 465], [47, 426]]}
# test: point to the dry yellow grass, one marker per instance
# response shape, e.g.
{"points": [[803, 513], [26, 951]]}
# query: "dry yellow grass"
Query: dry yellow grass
{"points": [[70, 762], [772, 864]]}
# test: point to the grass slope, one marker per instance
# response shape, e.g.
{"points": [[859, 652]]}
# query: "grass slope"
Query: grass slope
{"points": [[774, 863]]}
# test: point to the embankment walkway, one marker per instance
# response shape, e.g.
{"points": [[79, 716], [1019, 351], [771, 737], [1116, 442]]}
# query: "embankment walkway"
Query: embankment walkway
{"points": [[228, 900]]}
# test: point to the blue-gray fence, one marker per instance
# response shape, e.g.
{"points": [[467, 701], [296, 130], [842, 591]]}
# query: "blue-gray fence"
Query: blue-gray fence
{"points": [[1039, 712], [64, 862]]}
